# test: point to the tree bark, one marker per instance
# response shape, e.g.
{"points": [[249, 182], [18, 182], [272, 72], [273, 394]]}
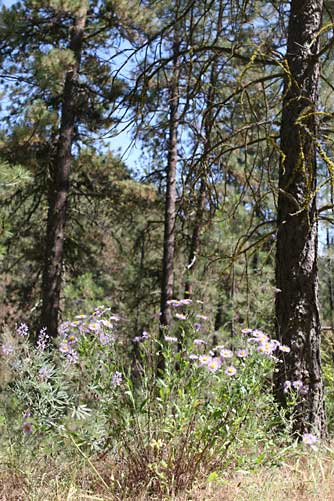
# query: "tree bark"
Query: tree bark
{"points": [[170, 206], [297, 310], [59, 185]]}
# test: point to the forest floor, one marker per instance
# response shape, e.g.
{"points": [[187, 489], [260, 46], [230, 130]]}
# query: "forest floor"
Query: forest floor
{"points": [[306, 477]]}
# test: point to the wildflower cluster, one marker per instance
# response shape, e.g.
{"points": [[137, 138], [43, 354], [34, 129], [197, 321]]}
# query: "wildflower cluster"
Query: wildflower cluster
{"points": [[43, 339], [95, 325], [297, 386], [221, 357], [264, 345]]}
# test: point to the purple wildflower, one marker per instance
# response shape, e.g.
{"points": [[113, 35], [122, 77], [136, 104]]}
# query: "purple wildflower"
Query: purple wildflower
{"points": [[22, 330], [105, 338], [297, 384], [116, 379], [71, 339], [198, 342], [43, 339], [242, 353], [72, 357], [225, 353], [246, 331], [7, 349], [204, 359], [231, 371], [309, 439], [287, 386], [265, 349], [284, 348], [197, 326], [214, 364], [94, 326], [193, 357], [64, 347]]}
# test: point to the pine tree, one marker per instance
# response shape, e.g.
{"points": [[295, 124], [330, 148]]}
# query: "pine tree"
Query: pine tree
{"points": [[297, 310]]}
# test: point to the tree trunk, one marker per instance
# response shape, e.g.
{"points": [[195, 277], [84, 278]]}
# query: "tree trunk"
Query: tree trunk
{"points": [[297, 310], [208, 123], [170, 206], [59, 188]]}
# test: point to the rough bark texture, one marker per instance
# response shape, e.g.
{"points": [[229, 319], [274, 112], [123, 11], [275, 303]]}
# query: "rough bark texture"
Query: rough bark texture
{"points": [[170, 206], [297, 311], [59, 186]]}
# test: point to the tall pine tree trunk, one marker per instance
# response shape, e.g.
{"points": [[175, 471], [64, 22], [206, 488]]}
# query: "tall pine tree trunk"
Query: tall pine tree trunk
{"points": [[60, 182], [208, 123], [297, 310], [170, 205]]}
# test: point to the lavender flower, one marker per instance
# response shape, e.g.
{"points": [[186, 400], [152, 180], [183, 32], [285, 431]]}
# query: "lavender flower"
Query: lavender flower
{"points": [[43, 339], [265, 349], [94, 326], [116, 379], [214, 364], [105, 338], [284, 349], [198, 342], [64, 347], [297, 385], [225, 353], [287, 386], [246, 331], [7, 349], [193, 357], [197, 326], [242, 353], [22, 330], [72, 357], [231, 371], [204, 359], [71, 339], [309, 439]]}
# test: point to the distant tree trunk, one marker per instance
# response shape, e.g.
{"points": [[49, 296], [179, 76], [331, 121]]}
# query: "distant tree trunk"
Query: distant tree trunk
{"points": [[170, 205], [195, 239], [297, 310], [208, 123], [60, 182]]}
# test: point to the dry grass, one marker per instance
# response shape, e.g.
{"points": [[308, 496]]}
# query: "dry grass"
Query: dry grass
{"points": [[304, 477]]}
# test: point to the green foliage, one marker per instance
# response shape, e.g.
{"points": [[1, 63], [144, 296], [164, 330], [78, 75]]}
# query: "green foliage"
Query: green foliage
{"points": [[103, 393]]}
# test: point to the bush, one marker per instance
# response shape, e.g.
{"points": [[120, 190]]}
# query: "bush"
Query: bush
{"points": [[98, 390]]}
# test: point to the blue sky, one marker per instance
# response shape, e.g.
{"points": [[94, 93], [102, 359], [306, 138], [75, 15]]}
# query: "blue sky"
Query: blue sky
{"points": [[122, 143]]}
